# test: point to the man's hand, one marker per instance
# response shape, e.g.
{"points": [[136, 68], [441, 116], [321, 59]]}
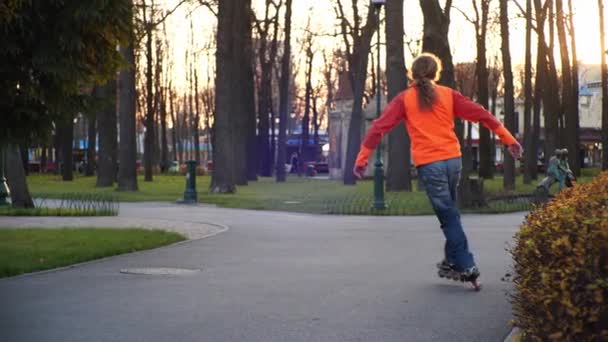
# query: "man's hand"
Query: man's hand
{"points": [[516, 150], [359, 171]]}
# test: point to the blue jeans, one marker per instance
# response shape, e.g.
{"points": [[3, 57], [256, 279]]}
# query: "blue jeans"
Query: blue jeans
{"points": [[440, 180]]}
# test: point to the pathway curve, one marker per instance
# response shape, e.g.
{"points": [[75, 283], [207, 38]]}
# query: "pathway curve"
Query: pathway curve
{"points": [[273, 277]]}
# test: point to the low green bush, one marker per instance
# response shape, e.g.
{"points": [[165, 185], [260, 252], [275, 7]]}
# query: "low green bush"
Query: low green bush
{"points": [[561, 267]]}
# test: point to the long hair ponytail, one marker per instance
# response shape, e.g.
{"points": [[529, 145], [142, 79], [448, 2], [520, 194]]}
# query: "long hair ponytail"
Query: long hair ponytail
{"points": [[424, 72]]}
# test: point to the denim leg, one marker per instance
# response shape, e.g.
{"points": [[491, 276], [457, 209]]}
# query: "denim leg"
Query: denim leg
{"points": [[441, 182]]}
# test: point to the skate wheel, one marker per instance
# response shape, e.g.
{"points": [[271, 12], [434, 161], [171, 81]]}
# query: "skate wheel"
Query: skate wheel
{"points": [[476, 285]]}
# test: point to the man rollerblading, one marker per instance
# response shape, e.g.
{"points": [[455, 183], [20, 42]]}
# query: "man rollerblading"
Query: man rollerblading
{"points": [[428, 111]]}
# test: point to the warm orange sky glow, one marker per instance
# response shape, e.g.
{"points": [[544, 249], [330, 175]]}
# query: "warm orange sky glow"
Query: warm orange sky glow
{"points": [[323, 20]]}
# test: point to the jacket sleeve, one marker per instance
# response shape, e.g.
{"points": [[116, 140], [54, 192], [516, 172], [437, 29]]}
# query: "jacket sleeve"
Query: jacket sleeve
{"points": [[471, 111], [391, 117]]}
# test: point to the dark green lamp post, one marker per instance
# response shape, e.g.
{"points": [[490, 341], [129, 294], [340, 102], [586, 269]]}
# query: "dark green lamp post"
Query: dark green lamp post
{"points": [[5, 193], [378, 166], [190, 195]]}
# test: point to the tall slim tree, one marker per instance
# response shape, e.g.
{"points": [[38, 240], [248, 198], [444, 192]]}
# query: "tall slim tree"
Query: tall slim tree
{"points": [[435, 40], [575, 68], [551, 98], [234, 80], [267, 30], [284, 102], [604, 88], [66, 138], [358, 46], [108, 145], [480, 23], [509, 163], [149, 122], [529, 132], [308, 93], [398, 171], [541, 77], [127, 151], [569, 109]]}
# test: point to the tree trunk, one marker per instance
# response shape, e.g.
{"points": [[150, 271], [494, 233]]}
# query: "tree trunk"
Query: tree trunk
{"points": [[284, 97], [486, 169], [164, 147], [435, 40], [399, 160], [575, 95], [234, 80], [551, 102], [530, 157], [66, 135], [15, 177], [358, 72], [435, 37], [539, 83], [127, 170], [305, 137], [571, 119], [264, 96], [149, 139], [509, 163], [106, 117], [91, 145], [604, 88], [197, 121]]}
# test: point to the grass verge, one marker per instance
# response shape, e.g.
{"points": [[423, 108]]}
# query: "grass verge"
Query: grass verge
{"points": [[29, 250], [296, 195]]}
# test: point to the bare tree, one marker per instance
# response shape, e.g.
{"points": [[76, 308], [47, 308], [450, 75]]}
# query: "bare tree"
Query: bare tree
{"points": [[127, 170], [480, 23], [398, 171], [149, 137], [575, 82], [509, 163], [234, 78], [357, 41], [551, 101], [284, 96], [66, 138], [267, 32], [571, 119], [108, 144], [530, 158], [305, 136]]}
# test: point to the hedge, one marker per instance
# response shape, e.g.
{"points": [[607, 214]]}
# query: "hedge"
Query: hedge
{"points": [[561, 267]]}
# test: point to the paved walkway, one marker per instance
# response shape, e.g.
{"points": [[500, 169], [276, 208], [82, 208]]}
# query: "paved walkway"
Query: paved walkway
{"points": [[271, 277]]}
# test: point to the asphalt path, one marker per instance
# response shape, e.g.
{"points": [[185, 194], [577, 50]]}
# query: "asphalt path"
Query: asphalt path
{"points": [[273, 276]]}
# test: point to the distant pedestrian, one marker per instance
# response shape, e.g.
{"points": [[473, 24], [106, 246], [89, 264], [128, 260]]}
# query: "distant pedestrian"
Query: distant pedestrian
{"points": [[429, 110], [294, 162]]}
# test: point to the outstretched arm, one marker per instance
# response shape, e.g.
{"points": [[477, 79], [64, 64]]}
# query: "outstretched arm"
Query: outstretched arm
{"points": [[391, 117], [466, 109]]}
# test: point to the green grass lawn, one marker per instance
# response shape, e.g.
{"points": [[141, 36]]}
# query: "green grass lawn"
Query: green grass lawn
{"points": [[296, 195], [29, 250]]}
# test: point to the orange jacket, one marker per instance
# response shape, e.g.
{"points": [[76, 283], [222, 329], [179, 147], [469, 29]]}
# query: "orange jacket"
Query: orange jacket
{"points": [[431, 131]]}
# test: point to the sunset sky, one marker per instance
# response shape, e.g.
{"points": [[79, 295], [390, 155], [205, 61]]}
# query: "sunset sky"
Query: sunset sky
{"points": [[323, 20]]}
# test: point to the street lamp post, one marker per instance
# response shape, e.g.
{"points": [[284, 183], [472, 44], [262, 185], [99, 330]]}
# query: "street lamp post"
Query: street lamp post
{"points": [[378, 166]]}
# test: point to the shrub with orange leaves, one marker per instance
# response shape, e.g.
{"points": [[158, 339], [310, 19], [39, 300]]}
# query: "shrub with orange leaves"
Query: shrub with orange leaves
{"points": [[561, 267]]}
